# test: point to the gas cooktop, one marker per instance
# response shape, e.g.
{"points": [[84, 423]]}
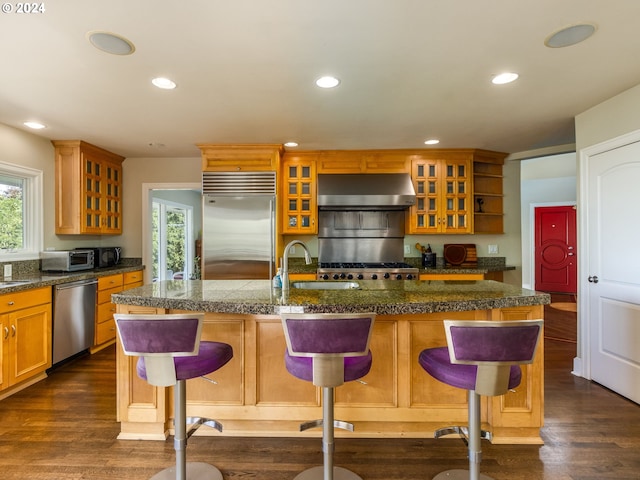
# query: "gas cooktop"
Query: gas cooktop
{"points": [[367, 271]]}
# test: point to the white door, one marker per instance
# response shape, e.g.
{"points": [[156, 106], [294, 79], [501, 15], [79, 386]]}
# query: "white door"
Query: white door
{"points": [[613, 268]]}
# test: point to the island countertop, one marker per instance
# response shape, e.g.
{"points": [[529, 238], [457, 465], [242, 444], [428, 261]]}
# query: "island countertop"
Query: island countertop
{"points": [[383, 297]]}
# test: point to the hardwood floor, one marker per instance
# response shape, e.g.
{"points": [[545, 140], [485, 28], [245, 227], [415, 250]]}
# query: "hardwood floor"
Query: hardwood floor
{"points": [[64, 428]]}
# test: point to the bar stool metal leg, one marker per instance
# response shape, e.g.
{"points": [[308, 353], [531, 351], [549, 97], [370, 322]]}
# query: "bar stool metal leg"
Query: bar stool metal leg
{"points": [[474, 447], [328, 471], [183, 470]]}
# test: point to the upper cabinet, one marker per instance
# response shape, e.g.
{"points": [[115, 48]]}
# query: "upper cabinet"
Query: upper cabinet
{"points": [[363, 161], [88, 189], [240, 158], [488, 216], [443, 193], [298, 192]]}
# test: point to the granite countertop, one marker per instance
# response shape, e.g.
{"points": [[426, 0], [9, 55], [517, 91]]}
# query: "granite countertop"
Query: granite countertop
{"points": [[27, 281], [257, 297]]}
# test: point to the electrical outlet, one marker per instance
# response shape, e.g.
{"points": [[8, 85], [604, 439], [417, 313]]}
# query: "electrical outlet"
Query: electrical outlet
{"points": [[493, 249], [292, 250], [8, 270], [407, 249]]}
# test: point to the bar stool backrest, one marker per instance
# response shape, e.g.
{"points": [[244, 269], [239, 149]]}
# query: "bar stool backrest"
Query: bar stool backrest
{"points": [[315, 335], [328, 338], [493, 346], [159, 338]]}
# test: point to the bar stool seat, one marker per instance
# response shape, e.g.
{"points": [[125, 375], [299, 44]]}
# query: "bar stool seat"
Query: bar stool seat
{"points": [[484, 358], [171, 353], [328, 350]]}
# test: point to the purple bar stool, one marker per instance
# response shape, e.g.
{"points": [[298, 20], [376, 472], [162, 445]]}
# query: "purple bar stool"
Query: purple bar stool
{"points": [[482, 357], [328, 350], [171, 353]]}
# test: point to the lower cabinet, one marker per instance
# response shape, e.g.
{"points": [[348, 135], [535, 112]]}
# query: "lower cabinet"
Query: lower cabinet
{"points": [[497, 276], [254, 395], [25, 322], [105, 333]]}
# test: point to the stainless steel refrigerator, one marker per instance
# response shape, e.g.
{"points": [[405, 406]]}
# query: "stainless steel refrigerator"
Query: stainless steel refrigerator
{"points": [[238, 227]]}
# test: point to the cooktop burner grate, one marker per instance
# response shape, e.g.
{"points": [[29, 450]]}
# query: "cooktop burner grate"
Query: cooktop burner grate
{"points": [[380, 265]]}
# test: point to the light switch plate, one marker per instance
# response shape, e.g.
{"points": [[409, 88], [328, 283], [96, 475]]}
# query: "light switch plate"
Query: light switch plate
{"points": [[407, 249], [8, 271], [493, 249]]}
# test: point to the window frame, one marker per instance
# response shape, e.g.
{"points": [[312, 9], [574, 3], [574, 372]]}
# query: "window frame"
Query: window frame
{"points": [[32, 212]]}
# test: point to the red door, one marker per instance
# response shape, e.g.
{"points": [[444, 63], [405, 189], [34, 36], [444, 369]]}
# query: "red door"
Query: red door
{"points": [[555, 249]]}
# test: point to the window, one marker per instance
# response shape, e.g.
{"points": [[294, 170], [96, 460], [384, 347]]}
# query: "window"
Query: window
{"points": [[172, 240], [20, 213]]}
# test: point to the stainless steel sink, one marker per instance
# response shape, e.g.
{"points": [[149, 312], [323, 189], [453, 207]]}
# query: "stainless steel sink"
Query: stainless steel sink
{"points": [[325, 285]]}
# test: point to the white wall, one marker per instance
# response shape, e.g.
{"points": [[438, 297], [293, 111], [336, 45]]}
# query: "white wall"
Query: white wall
{"points": [[545, 181], [136, 172]]}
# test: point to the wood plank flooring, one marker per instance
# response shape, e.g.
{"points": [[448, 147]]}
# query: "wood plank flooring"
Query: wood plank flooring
{"points": [[64, 428]]}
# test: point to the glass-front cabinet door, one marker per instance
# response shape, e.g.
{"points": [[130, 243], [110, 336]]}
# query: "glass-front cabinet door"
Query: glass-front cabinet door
{"points": [[102, 196], [443, 189], [299, 199]]}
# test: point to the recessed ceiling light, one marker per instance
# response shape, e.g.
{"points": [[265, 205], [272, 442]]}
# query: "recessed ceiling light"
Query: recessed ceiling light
{"points": [[291, 144], [570, 35], [327, 82], [35, 125], [432, 141], [111, 43], [164, 83], [503, 78]]}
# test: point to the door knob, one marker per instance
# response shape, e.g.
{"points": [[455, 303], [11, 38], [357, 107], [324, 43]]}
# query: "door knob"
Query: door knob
{"points": [[593, 279]]}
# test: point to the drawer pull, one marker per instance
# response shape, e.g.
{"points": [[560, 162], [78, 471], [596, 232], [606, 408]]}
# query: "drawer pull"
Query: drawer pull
{"points": [[11, 303]]}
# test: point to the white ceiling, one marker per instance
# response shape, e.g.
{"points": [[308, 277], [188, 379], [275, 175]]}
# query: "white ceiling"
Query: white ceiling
{"points": [[245, 69]]}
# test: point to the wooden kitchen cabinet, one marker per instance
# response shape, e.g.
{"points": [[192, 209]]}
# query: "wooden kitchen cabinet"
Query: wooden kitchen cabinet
{"points": [[88, 189], [236, 158], [443, 186], [488, 216], [363, 161], [298, 192], [105, 331], [25, 323]]}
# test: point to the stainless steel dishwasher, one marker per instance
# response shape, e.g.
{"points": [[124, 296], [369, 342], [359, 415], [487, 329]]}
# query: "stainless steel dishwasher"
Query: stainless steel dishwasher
{"points": [[74, 312]]}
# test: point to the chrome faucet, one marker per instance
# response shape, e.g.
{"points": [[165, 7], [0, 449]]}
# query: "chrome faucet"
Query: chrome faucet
{"points": [[285, 263]]}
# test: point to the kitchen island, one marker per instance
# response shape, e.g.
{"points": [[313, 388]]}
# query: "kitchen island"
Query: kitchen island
{"points": [[254, 395]]}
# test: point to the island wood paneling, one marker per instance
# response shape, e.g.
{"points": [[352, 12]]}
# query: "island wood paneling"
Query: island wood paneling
{"points": [[256, 396]]}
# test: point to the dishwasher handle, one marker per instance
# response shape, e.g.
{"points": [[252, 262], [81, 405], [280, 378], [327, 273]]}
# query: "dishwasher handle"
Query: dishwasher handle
{"points": [[79, 283]]}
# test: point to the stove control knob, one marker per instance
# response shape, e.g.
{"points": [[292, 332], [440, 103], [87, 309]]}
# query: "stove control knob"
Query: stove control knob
{"points": [[349, 276], [360, 276], [336, 276], [409, 276], [398, 277], [374, 277], [342, 275], [386, 275], [324, 277]]}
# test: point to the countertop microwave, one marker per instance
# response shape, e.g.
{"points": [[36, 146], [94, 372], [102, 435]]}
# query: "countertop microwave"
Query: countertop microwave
{"points": [[105, 256], [67, 260]]}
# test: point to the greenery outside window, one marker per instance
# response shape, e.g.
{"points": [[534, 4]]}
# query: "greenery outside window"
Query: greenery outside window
{"points": [[172, 241], [20, 213]]}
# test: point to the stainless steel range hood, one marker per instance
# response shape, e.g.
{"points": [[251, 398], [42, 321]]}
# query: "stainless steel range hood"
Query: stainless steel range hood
{"points": [[366, 190]]}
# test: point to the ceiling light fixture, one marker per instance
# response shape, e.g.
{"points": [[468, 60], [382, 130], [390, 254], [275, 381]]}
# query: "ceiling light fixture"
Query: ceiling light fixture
{"points": [[327, 82], [570, 35], [111, 43], [291, 144], [503, 78], [164, 83], [432, 141], [35, 125]]}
